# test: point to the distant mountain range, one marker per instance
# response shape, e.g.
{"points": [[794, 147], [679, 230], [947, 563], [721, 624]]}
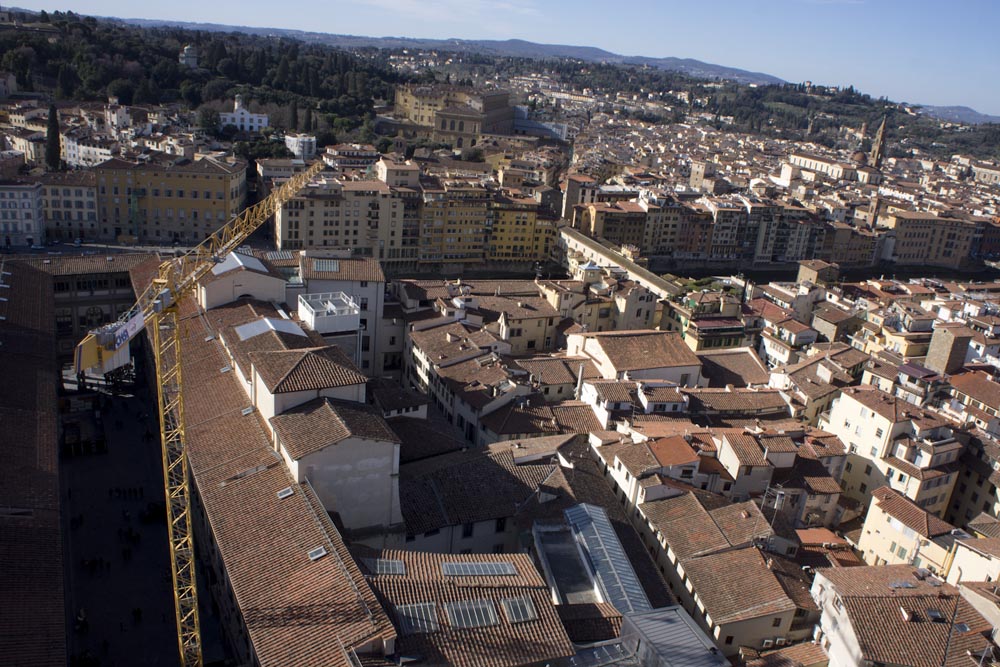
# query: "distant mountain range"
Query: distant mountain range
{"points": [[519, 48], [516, 48], [958, 115]]}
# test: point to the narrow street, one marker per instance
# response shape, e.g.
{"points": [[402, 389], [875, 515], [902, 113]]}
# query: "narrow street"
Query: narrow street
{"points": [[118, 584]]}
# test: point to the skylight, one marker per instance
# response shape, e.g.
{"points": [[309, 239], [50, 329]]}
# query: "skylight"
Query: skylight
{"points": [[417, 618], [470, 569], [385, 566], [519, 610], [471, 613]]}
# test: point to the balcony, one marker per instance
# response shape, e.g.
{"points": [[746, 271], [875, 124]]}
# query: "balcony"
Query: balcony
{"points": [[329, 312]]}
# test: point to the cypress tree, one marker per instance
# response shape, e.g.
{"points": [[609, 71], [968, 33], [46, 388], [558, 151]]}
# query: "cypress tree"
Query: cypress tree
{"points": [[52, 143]]}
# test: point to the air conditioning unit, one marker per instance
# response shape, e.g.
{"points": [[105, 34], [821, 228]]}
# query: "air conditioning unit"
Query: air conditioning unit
{"points": [[780, 641], [767, 643]]}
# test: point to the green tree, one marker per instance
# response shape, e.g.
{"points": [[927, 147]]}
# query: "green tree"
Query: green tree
{"points": [[66, 82], [307, 123], [146, 93], [215, 89], [208, 119], [228, 68], [281, 76], [52, 140], [191, 92], [325, 138], [122, 89], [293, 116]]}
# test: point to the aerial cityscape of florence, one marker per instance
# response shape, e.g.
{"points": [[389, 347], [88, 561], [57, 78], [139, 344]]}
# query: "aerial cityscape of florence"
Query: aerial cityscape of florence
{"points": [[500, 333]]}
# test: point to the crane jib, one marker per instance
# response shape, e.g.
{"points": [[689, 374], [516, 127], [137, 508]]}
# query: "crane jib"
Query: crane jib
{"points": [[129, 330]]}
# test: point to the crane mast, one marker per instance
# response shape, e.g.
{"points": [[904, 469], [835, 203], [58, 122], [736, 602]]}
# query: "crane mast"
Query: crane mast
{"points": [[157, 309]]}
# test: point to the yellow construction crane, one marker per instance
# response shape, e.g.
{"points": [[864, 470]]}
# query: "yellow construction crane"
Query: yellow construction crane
{"points": [[107, 348]]}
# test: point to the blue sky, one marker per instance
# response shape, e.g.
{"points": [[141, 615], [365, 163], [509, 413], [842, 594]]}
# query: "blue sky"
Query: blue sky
{"points": [[924, 51]]}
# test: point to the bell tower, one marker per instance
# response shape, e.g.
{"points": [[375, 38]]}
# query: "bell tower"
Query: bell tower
{"points": [[878, 147]]}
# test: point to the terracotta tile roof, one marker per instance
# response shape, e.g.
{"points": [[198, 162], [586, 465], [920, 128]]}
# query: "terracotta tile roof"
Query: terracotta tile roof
{"points": [[637, 459], [447, 490], [269, 269], [885, 637], [451, 342], [533, 419], [641, 349], [672, 451], [777, 443], [891, 407], [32, 612], [698, 523], [474, 380], [287, 371], [286, 599], [502, 644], [746, 448], [821, 444], [984, 524], [808, 474], [663, 394], [979, 386], [875, 581], [745, 401], [616, 391], [516, 308], [429, 290], [909, 513], [806, 654], [756, 592], [985, 545], [364, 269], [921, 473], [389, 395], [224, 320], [574, 417], [768, 310], [421, 438], [794, 580], [557, 370], [832, 314], [75, 265], [740, 367], [323, 422], [843, 354]]}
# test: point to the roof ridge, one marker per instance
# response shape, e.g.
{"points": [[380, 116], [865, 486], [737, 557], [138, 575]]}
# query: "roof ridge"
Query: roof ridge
{"points": [[294, 366]]}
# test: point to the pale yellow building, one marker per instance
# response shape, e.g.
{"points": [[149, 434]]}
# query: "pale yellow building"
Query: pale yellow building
{"points": [[458, 115], [453, 222], [166, 200], [516, 232], [897, 531], [925, 239], [369, 217]]}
